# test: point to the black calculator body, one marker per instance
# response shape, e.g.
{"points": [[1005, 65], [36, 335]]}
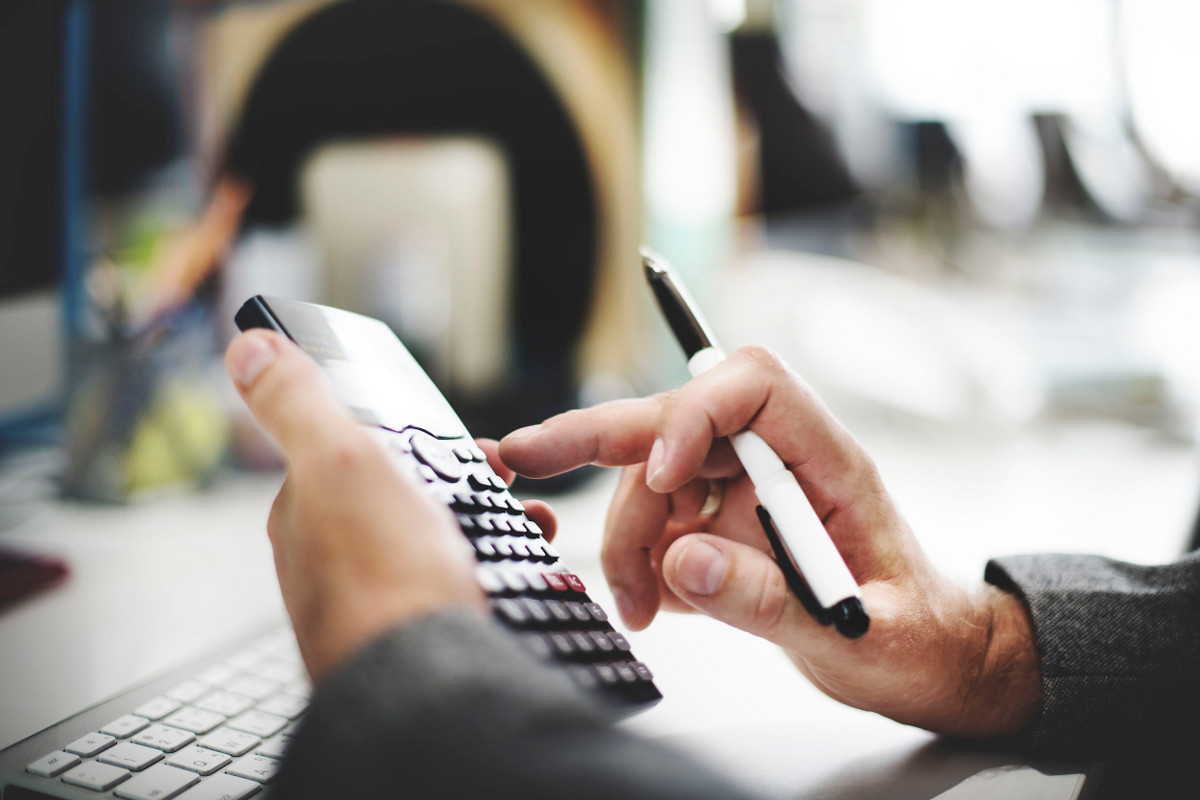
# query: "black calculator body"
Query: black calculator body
{"points": [[531, 591]]}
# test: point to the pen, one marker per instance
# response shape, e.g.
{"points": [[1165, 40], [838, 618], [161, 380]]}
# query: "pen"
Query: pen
{"points": [[811, 563]]}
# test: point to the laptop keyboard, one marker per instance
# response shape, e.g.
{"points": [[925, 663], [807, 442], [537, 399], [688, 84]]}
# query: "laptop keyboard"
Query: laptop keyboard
{"points": [[218, 734]]}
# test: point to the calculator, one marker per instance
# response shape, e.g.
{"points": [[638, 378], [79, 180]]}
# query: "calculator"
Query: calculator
{"points": [[531, 590]]}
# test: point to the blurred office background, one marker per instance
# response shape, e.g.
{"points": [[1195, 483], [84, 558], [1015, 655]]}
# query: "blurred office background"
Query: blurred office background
{"points": [[972, 226]]}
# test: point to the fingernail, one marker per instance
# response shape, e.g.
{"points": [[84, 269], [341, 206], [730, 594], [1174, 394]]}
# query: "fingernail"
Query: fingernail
{"points": [[625, 606], [700, 568], [249, 356], [524, 433], [656, 462]]}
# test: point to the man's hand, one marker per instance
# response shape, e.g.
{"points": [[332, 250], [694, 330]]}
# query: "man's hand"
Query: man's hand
{"points": [[359, 546], [953, 660]]}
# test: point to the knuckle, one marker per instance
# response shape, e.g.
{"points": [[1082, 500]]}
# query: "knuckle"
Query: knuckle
{"points": [[762, 357], [771, 604]]}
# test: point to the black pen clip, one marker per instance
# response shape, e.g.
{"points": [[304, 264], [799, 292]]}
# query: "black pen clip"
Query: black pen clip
{"points": [[795, 580]]}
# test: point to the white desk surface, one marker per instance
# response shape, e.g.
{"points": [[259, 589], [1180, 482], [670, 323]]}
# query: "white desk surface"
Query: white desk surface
{"points": [[155, 584]]}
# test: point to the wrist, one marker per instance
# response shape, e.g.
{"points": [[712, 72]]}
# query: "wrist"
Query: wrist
{"points": [[1003, 693]]}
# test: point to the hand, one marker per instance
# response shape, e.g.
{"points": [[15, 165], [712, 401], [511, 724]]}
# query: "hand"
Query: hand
{"points": [[951, 659], [359, 547]]}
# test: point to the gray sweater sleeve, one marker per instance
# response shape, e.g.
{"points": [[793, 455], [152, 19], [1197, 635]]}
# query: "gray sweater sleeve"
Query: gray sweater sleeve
{"points": [[450, 706], [1119, 646]]}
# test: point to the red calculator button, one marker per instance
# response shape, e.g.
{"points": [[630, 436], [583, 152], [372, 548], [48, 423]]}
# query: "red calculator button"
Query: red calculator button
{"points": [[555, 581], [574, 582]]}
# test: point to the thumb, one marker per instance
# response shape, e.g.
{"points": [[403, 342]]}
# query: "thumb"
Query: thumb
{"points": [[738, 585], [287, 393]]}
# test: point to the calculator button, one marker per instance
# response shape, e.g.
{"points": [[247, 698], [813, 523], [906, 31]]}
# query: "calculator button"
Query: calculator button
{"points": [[131, 756], [520, 550], [555, 581], [231, 742], [582, 642], [625, 672], [643, 672], [502, 525], [607, 674], [602, 642], [489, 580], [157, 708], [221, 787], [462, 454], [538, 644], [584, 676], [562, 644], [619, 641], [574, 582], [53, 764], [157, 783], [196, 720], [437, 457], [199, 759], [503, 548], [533, 528], [485, 549], [497, 483], [163, 738], [536, 610], [478, 482], [511, 611], [536, 551], [537, 583], [514, 581], [577, 611], [558, 610], [95, 776], [514, 505], [256, 768], [461, 501], [597, 613], [91, 744], [125, 726]]}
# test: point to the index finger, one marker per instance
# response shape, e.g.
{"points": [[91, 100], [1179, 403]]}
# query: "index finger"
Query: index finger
{"points": [[613, 434]]}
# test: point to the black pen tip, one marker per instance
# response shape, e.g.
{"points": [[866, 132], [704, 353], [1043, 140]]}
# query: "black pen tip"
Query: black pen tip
{"points": [[654, 264], [850, 618]]}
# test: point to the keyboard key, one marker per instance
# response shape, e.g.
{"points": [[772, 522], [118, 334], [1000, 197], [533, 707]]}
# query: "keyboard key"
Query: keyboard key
{"points": [[256, 768], [130, 756], [533, 527], [583, 643], [223, 702], [188, 691], [217, 674], [643, 672], [596, 611], [157, 708], [53, 764], [95, 776], [163, 738], [276, 746], [127, 725], [196, 720], [607, 674], [276, 669], [259, 723], [558, 609], [87, 746], [537, 583], [555, 581], [578, 611], [285, 705], [221, 787], [199, 759], [227, 740], [252, 686], [574, 582], [562, 644], [157, 783]]}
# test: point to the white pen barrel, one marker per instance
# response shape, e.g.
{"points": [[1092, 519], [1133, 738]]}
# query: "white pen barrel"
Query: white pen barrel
{"points": [[813, 552]]}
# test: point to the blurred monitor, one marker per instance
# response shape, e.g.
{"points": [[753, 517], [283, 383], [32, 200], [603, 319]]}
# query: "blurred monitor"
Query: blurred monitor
{"points": [[34, 77]]}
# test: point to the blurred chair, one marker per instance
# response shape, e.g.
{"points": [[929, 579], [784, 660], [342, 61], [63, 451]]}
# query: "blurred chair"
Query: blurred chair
{"points": [[372, 70]]}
